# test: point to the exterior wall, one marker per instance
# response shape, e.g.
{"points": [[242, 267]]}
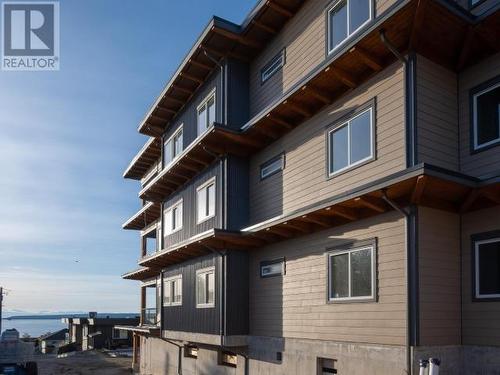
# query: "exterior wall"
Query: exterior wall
{"points": [[295, 305], [486, 162], [162, 357], [439, 284], [300, 357], [304, 180], [187, 317], [304, 38], [190, 226], [481, 320], [437, 115]]}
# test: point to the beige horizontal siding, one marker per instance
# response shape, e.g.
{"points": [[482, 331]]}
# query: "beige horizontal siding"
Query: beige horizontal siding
{"points": [[488, 161], [304, 180], [439, 284], [295, 305], [481, 320], [437, 116], [304, 38]]}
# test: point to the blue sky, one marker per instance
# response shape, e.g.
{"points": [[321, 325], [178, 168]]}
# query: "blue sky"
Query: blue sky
{"points": [[65, 139]]}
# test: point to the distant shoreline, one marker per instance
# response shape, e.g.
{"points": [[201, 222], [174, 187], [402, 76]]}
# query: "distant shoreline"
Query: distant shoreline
{"points": [[61, 316]]}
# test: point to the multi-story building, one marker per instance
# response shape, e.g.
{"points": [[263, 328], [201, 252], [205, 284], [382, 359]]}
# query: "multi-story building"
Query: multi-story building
{"points": [[321, 190]]}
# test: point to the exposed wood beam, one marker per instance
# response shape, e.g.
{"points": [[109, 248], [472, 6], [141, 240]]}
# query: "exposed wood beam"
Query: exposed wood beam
{"points": [[297, 108], [242, 140], [191, 77], [301, 227], [267, 133], [469, 200], [197, 160], [417, 24], [264, 27], [175, 100], [344, 77], [166, 109], [239, 38], [315, 93], [154, 130], [279, 121], [158, 118], [321, 221], [183, 89], [280, 9], [189, 167], [371, 203], [492, 196], [266, 236], [345, 212], [222, 54], [201, 65], [419, 189], [373, 62], [280, 232]]}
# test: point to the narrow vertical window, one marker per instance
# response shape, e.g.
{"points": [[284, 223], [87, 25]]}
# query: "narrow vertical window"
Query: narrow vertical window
{"points": [[346, 17], [206, 113], [487, 268], [486, 116], [173, 218], [205, 201], [205, 287], [172, 147], [172, 291]]}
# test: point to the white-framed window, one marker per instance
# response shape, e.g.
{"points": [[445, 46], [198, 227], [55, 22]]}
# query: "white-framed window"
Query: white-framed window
{"points": [[205, 287], [486, 116], [172, 147], [487, 268], [119, 334], [351, 143], [351, 274], [273, 66], [205, 200], [206, 113], [272, 166], [272, 268], [172, 291], [172, 218], [345, 17]]}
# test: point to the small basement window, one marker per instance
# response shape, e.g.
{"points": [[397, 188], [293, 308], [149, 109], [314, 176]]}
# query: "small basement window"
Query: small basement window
{"points": [[273, 66], [486, 115], [487, 268], [272, 166], [191, 351], [272, 268], [326, 366], [228, 359]]}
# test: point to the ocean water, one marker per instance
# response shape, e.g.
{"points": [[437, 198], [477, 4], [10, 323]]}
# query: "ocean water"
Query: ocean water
{"points": [[33, 327]]}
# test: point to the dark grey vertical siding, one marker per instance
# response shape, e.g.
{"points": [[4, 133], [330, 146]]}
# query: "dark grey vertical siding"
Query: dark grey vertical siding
{"points": [[189, 209], [238, 101], [237, 293], [188, 116], [237, 193], [188, 318]]}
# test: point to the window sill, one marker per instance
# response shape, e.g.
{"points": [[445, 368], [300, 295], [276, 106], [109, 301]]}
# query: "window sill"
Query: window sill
{"points": [[352, 300], [209, 306], [204, 219], [478, 149]]}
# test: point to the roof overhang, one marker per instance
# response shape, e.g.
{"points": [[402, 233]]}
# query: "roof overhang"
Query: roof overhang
{"points": [[148, 330], [219, 39], [216, 141], [423, 185], [141, 274], [144, 160], [148, 214]]}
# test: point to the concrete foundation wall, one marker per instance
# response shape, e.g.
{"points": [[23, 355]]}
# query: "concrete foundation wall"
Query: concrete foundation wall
{"points": [[462, 360]]}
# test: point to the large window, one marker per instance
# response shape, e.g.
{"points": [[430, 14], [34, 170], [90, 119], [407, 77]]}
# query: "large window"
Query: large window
{"points": [[486, 115], [205, 200], [206, 113], [272, 66], [487, 268], [205, 287], [172, 291], [172, 147], [345, 17], [351, 143], [351, 274], [173, 218]]}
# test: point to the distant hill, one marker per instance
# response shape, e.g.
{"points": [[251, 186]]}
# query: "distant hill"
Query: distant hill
{"points": [[69, 315]]}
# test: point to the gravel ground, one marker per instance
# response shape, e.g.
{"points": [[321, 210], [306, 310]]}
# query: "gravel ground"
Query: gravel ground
{"points": [[84, 363]]}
